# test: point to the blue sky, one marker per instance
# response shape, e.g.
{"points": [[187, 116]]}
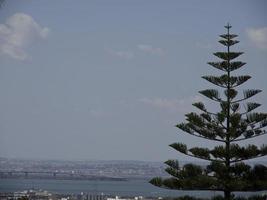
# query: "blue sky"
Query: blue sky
{"points": [[109, 80]]}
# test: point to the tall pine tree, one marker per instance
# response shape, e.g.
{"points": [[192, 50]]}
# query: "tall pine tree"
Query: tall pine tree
{"points": [[226, 170]]}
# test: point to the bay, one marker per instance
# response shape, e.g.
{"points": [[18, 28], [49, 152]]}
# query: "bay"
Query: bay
{"points": [[138, 187]]}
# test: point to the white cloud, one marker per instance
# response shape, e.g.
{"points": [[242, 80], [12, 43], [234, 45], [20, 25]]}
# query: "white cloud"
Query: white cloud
{"points": [[150, 49], [19, 31], [173, 105], [258, 37], [120, 54]]}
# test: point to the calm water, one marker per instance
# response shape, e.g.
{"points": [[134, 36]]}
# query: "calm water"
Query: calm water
{"points": [[121, 188]]}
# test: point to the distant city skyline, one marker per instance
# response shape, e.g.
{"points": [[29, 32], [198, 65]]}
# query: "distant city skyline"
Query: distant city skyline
{"points": [[108, 80]]}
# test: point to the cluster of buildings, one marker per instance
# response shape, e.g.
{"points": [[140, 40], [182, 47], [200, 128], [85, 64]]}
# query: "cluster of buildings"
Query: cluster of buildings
{"points": [[27, 194], [45, 195]]}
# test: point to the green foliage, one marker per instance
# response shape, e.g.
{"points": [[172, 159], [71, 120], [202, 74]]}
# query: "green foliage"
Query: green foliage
{"points": [[218, 152], [200, 106], [231, 93], [256, 117], [255, 197], [179, 147], [224, 80], [228, 43], [232, 123], [191, 170], [228, 55], [187, 198], [219, 197], [195, 119], [251, 106], [23, 198], [157, 181], [228, 36], [225, 66], [173, 163], [200, 152], [211, 93], [250, 93]]}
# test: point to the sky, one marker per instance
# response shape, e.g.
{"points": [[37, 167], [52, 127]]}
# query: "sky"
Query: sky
{"points": [[109, 80]]}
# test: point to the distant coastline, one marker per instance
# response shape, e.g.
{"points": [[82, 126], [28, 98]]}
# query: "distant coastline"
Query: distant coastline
{"points": [[38, 177], [85, 170]]}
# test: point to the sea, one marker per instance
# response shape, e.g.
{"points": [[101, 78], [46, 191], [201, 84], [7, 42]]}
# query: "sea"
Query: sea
{"points": [[131, 188]]}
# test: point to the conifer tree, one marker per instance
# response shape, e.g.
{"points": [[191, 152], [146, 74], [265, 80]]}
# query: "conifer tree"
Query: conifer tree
{"points": [[227, 169]]}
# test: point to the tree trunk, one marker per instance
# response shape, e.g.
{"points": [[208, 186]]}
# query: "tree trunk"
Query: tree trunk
{"points": [[227, 192], [227, 195]]}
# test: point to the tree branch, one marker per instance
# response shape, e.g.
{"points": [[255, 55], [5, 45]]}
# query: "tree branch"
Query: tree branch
{"points": [[206, 137], [241, 159], [208, 159], [235, 140]]}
